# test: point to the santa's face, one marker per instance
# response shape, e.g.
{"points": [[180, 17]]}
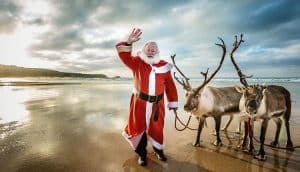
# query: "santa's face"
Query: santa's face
{"points": [[150, 53], [151, 49]]}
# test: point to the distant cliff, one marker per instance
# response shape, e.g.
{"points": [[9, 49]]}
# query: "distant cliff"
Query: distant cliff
{"points": [[15, 71]]}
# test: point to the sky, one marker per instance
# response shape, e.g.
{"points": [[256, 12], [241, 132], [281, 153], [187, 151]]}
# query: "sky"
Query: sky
{"points": [[80, 35]]}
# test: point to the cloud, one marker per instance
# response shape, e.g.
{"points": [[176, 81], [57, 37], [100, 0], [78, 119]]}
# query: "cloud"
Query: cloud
{"points": [[34, 20], [92, 65], [81, 35], [272, 14], [9, 11], [64, 39]]}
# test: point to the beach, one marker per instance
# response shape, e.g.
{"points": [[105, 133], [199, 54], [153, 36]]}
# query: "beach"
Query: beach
{"points": [[76, 125]]}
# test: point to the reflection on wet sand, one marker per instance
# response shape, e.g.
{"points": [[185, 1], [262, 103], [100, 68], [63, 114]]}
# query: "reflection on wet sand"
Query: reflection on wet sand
{"points": [[78, 128]]}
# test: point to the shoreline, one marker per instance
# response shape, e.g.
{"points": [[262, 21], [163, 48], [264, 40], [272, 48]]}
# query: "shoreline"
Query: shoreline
{"points": [[25, 83]]}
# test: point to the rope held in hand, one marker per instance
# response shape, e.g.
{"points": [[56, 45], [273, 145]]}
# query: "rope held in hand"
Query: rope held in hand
{"points": [[185, 126]]}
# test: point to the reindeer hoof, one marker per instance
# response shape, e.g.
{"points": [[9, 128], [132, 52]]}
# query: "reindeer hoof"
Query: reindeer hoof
{"points": [[238, 132], [196, 144], [224, 129], [252, 152], [217, 143], [214, 133], [274, 144], [260, 157], [242, 147], [289, 146]]}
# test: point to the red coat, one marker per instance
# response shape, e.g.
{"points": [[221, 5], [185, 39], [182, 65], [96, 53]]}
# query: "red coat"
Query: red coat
{"points": [[153, 80]]}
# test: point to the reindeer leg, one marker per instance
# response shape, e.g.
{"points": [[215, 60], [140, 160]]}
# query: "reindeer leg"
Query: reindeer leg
{"points": [[251, 146], [218, 142], [261, 153], [289, 143], [243, 145], [228, 123], [200, 126], [278, 122], [239, 129]]}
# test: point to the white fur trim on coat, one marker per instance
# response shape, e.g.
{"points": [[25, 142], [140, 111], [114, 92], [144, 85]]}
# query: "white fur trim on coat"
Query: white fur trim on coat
{"points": [[133, 141], [163, 69], [173, 105], [151, 91], [124, 48], [156, 144]]}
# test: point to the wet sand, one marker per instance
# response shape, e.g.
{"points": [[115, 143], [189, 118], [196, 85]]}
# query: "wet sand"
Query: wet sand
{"points": [[78, 128]]}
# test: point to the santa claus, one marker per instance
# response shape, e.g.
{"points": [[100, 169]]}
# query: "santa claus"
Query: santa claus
{"points": [[152, 79]]}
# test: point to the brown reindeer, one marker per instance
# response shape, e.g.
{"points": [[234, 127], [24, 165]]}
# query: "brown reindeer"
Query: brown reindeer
{"points": [[265, 103], [206, 101]]}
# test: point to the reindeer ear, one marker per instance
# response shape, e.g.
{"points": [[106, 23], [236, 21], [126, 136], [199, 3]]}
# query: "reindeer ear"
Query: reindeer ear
{"points": [[264, 89], [259, 87]]}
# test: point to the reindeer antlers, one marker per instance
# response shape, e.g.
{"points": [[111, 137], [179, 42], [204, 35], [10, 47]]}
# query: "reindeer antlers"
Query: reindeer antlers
{"points": [[223, 46], [205, 74], [186, 85], [235, 46]]}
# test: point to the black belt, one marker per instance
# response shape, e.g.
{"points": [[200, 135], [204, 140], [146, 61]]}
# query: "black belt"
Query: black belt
{"points": [[149, 98]]}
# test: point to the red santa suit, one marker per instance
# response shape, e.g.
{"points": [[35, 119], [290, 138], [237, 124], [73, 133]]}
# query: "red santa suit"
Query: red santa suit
{"points": [[152, 80]]}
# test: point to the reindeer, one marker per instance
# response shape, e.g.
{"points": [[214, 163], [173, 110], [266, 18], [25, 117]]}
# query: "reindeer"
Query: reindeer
{"points": [[265, 103], [207, 101]]}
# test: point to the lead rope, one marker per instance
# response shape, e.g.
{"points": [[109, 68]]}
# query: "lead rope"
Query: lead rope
{"points": [[278, 147], [185, 126]]}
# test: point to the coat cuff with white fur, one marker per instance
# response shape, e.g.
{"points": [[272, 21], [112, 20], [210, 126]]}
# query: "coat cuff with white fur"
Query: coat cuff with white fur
{"points": [[123, 47], [173, 105]]}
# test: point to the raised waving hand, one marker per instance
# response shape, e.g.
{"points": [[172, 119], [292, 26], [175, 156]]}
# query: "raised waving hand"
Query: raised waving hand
{"points": [[134, 36]]}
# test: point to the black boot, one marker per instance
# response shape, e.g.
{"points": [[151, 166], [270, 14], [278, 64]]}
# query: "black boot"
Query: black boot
{"points": [[142, 161], [159, 154], [142, 151]]}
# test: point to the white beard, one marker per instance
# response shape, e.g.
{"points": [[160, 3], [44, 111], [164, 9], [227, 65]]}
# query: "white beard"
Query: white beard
{"points": [[149, 60]]}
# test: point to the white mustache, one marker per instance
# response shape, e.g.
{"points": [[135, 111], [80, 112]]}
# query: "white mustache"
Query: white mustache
{"points": [[149, 59]]}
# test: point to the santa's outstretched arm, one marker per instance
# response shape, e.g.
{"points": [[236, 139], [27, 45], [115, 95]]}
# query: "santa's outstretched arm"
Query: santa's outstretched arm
{"points": [[124, 48]]}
